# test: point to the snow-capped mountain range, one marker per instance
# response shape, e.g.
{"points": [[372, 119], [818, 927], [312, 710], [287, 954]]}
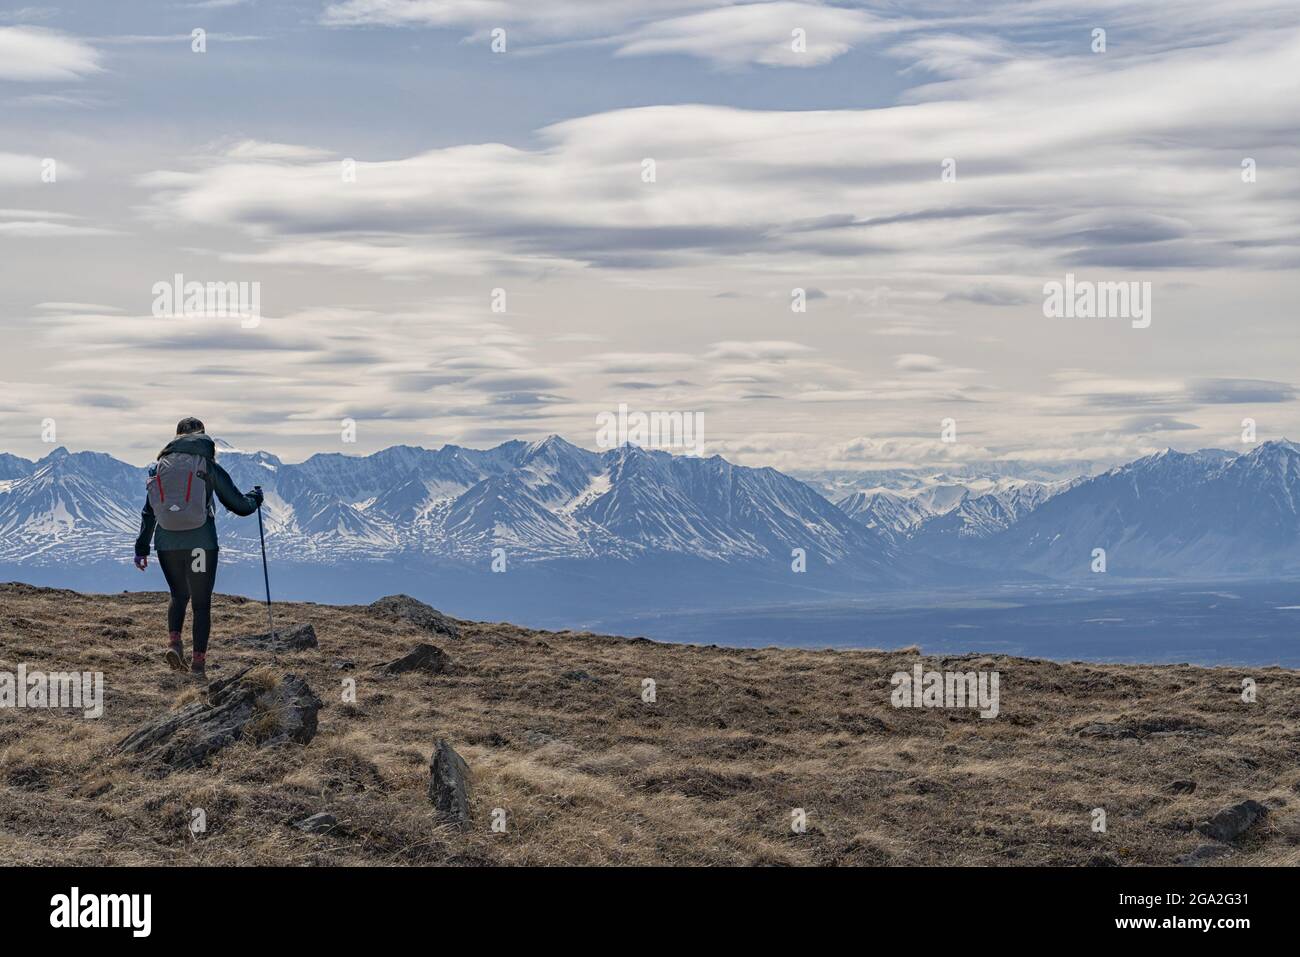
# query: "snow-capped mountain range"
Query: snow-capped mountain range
{"points": [[977, 476], [938, 511], [1201, 514], [536, 501], [1205, 514]]}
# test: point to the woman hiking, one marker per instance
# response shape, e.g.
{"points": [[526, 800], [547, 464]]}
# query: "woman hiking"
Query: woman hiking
{"points": [[179, 517]]}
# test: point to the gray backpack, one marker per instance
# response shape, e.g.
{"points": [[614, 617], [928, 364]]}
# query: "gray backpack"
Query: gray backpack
{"points": [[179, 491]]}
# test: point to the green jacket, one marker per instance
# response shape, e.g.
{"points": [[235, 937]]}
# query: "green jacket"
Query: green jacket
{"points": [[205, 536]]}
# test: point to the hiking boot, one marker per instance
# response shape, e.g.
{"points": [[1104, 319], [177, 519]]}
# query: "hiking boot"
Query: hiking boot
{"points": [[175, 656], [198, 666]]}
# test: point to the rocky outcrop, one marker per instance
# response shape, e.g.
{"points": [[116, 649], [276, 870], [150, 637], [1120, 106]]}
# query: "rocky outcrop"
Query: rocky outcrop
{"points": [[249, 705], [427, 658], [292, 638], [449, 784], [1232, 822], [406, 608]]}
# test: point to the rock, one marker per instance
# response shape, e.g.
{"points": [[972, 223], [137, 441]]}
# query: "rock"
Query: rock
{"points": [[1171, 725], [449, 784], [1102, 860], [247, 705], [406, 608], [424, 657], [317, 823], [293, 638], [1232, 822], [1206, 852], [1181, 787], [1102, 730]]}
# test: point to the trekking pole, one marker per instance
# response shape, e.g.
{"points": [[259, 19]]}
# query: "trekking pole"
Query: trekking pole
{"points": [[266, 577]]}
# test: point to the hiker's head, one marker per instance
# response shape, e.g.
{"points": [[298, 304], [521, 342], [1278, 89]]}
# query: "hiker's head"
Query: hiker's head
{"points": [[188, 426]]}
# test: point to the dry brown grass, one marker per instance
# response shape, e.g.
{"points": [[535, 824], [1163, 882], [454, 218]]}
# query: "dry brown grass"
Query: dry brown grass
{"points": [[557, 735]]}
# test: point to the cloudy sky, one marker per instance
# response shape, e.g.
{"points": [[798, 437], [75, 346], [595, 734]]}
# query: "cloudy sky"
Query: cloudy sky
{"points": [[795, 145]]}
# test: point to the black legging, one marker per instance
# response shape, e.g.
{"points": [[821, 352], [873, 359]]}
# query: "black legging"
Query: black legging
{"points": [[187, 585]]}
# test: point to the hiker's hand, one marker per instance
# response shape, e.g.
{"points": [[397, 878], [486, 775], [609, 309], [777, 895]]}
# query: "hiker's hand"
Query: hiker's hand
{"points": [[256, 496], [142, 562]]}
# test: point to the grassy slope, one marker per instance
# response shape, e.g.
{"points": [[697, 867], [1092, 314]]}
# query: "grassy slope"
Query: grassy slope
{"points": [[589, 774]]}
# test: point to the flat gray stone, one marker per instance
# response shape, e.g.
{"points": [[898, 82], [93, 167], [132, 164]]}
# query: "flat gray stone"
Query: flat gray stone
{"points": [[317, 823]]}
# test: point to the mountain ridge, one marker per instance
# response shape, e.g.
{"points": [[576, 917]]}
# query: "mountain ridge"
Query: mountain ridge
{"points": [[540, 501], [1196, 514]]}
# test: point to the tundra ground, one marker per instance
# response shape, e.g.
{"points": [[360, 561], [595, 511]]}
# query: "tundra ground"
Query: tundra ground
{"points": [[583, 770]]}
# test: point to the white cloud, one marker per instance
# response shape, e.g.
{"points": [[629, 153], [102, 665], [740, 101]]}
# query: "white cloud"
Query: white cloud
{"points": [[762, 33], [75, 307], [42, 223], [729, 34], [917, 362], [551, 19], [1110, 166], [257, 150], [44, 229], [32, 54], [883, 453], [628, 363], [761, 349]]}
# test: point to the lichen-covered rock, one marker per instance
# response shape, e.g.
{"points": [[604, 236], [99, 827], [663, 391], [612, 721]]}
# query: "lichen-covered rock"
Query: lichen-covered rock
{"points": [[253, 706], [406, 608], [449, 784], [424, 657], [292, 638], [1231, 822]]}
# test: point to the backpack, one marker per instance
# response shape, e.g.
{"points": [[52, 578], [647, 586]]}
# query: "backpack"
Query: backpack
{"points": [[179, 491]]}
